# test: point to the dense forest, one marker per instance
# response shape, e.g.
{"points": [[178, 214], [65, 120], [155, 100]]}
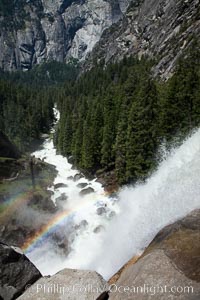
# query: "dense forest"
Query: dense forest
{"points": [[112, 119], [27, 100], [116, 119]]}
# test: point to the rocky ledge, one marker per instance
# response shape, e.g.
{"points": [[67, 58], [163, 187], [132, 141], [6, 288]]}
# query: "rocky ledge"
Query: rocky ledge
{"points": [[67, 284], [168, 269], [16, 272]]}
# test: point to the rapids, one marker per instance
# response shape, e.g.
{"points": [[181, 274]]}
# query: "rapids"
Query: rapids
{"points": [[126, 224]]}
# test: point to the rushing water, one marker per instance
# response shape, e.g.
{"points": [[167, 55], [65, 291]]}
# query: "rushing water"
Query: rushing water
{"points": [[124, 227]]}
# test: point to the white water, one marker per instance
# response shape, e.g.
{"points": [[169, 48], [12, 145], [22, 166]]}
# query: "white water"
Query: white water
{"points": [[169, 194]]}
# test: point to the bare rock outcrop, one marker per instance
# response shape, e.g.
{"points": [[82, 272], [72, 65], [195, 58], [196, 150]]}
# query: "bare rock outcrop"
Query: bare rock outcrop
{"points": [[16, 272], [67, 284], [33, 32], [168, 269]]}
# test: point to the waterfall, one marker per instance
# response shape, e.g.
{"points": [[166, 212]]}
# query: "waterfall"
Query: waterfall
{"points": [[122, 227]]}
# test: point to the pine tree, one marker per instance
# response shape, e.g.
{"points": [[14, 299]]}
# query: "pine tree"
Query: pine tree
{"points": [[142, 135]]}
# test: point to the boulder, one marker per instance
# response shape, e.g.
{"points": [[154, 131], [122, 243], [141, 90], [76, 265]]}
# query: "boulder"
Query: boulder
{"points": [[112, 214], [98, 229], [67, 284], [83, 224], [70, 160], [82, 185], [42, 201], [60, 185], [62, 197], [101, 211], [86, 191], [169, 264], [16, 272], [78, 177], [61, 242], [61, 200]]}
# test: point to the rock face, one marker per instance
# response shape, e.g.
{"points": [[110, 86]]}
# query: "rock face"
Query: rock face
{"points": [[16, 272], [58, 30], [156, 28], [67, 284], [170, 266], [97, 30]]}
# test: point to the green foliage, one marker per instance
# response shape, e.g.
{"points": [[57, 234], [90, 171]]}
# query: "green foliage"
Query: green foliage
{"points": [[46, 74], [115, 119], [27, 100], [25, 112], [112, 119]]}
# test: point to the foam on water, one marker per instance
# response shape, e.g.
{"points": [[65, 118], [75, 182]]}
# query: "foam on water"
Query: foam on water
{"points": [[141, 211]]}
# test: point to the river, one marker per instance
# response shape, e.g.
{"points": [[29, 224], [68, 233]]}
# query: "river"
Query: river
{"points": [[103, 232]]}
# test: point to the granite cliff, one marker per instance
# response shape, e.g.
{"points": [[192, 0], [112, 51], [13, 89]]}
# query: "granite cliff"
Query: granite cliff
{"points": [[33, 32], [162, 30]]}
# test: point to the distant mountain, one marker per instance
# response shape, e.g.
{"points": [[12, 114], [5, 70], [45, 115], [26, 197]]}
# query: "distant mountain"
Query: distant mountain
{"points": [[33, 32], [37, 31], [160, 29]]}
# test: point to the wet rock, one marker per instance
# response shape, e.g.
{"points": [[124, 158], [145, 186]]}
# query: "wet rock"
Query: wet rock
{"points": [[83, 224], [98, 229], [70, 160], [62, 197], [16, 272], [101, 211], [81, 280], [86, 191], [172, 260], [61, 242], [82, 185], [70, 178], [108, 180], [78, 177], [38, 201], [114, 196], [60, 185], [61, 200], [112, 214]]}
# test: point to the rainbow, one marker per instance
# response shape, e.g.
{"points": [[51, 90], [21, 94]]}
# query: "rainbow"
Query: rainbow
{"points": [[45, 231], [14, 202]]}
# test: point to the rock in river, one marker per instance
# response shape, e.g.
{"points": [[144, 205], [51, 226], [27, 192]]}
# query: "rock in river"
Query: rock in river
{"points": [[60, 185], [101, 211], [82, 185], [86, 191], [78, 176]]}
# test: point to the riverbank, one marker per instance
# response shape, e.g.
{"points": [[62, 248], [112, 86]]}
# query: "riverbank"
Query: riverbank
{"points": [[25, 200]]}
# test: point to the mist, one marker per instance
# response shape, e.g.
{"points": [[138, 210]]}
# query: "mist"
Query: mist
{"points": [[127, 224]]}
